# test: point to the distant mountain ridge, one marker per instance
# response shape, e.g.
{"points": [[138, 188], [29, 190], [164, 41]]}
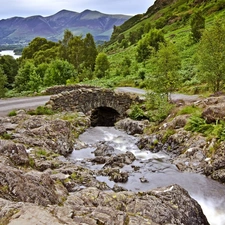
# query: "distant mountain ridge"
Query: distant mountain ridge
{"points": [[19, 30]]}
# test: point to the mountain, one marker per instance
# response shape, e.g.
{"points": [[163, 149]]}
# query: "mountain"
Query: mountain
{"points": [[19, 30]]}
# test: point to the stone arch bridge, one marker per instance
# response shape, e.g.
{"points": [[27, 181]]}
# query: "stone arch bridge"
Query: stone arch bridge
{"points": [[104, 105]]}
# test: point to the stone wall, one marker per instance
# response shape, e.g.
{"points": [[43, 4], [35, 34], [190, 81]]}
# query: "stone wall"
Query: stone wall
{"points": [[61, 88], [85, 100]]}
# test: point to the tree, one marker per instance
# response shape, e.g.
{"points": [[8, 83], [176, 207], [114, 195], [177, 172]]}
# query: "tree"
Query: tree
{"points": [[90, 52], [211, 56], [58, 72], [10, 68], [3, 82], [197, 26], [125, 66], [76, 52], [34, 82], [149, 44], [101, 65], [64, 45], [23, 77], [166, 77], [37, 44]]}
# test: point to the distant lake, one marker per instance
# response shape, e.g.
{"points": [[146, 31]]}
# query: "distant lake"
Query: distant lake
{"points": [[9, 52]]}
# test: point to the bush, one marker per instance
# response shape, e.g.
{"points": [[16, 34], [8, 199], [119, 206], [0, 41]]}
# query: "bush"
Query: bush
{"points": [[157, 106], [137, 113]]}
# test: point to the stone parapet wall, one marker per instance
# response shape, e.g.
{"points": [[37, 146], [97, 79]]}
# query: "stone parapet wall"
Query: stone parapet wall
{"points": [[85, 100], [61, 88]]}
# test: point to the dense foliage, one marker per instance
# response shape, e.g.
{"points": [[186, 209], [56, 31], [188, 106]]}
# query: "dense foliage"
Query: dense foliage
{"points": [[176, 46]]}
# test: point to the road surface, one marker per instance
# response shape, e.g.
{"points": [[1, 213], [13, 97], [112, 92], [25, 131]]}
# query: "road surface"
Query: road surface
{"points": [[7, 105], [174, 96]]}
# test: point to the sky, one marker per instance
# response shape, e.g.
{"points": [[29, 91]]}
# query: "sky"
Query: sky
{"points": [[25, 8]]}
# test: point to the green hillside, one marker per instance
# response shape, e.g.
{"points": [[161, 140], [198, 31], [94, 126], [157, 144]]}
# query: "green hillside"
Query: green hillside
{"points": [[176, 46], [174, 18]]}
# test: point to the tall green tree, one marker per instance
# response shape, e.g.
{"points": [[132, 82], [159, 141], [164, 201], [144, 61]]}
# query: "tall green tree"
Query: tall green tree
{"points": [[149, 44], [3, 82], [37, 44], [10, 68], [90, 52], [58, 72], [76, 52], [166, 78], [34, 82], [102, 65], [23, 77], [197, 26], [211, 56], [64, 45]]}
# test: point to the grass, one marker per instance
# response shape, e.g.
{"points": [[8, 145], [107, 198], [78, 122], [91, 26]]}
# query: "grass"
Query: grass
{"points": [[12, 113], [41, 110], [190, 109]]}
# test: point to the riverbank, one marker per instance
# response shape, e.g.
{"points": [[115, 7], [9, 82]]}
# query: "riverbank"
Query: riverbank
{"points": [[37, 171]]}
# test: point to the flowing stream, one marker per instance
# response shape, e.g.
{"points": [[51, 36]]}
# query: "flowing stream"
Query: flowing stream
{"points": [[155, 169]]}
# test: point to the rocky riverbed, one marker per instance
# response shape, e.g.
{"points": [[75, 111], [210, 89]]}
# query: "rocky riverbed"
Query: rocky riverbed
{"points": [[40, 185]]}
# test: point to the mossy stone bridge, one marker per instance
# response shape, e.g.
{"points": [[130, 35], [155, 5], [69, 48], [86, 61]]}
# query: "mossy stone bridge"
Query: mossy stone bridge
{"points": [[105, 106]]}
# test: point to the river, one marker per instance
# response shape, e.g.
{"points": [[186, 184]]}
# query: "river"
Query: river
{"points": [[155, 168], [9, 52]]}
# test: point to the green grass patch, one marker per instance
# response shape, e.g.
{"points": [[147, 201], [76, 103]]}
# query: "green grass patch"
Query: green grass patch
{"points": [[190, 109], [12, 113], [41, 110]]}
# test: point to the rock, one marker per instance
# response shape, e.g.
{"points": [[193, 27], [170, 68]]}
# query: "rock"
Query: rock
{"points": [[214, 113], [98, 160], [192, 160], [31, 214], [132, 126], [2, 130], [103, 149], [115, 175], [27, 187], [120, 160], [177, 123], [55, 135], [219, 175], [169, 205], [16, 152], [118, 188], [150, 142]]}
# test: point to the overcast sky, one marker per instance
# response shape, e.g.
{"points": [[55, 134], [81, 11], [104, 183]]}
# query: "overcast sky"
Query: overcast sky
{"points": [[25, 8]]}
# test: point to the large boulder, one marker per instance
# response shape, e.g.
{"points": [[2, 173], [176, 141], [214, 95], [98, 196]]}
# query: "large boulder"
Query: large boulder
{"points": [[33, 186], [169, 205], [15, 152], [214, 113], [132, 126]]}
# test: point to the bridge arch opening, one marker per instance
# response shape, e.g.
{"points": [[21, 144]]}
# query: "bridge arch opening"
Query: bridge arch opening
{"points": [[104, 116]]}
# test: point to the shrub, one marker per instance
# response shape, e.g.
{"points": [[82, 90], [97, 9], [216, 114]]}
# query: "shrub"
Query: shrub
{"points": [[137, 113]]}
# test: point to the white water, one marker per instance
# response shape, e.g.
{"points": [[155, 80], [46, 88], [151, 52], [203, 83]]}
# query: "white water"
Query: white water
{"points": [[9, 52], [156, 168]]}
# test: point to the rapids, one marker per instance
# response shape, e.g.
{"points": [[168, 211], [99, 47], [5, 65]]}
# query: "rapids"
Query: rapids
{"points": [[155, 169]]}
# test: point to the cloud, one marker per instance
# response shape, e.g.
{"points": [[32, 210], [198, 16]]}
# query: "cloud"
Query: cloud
{"points": [[48, 7]]}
